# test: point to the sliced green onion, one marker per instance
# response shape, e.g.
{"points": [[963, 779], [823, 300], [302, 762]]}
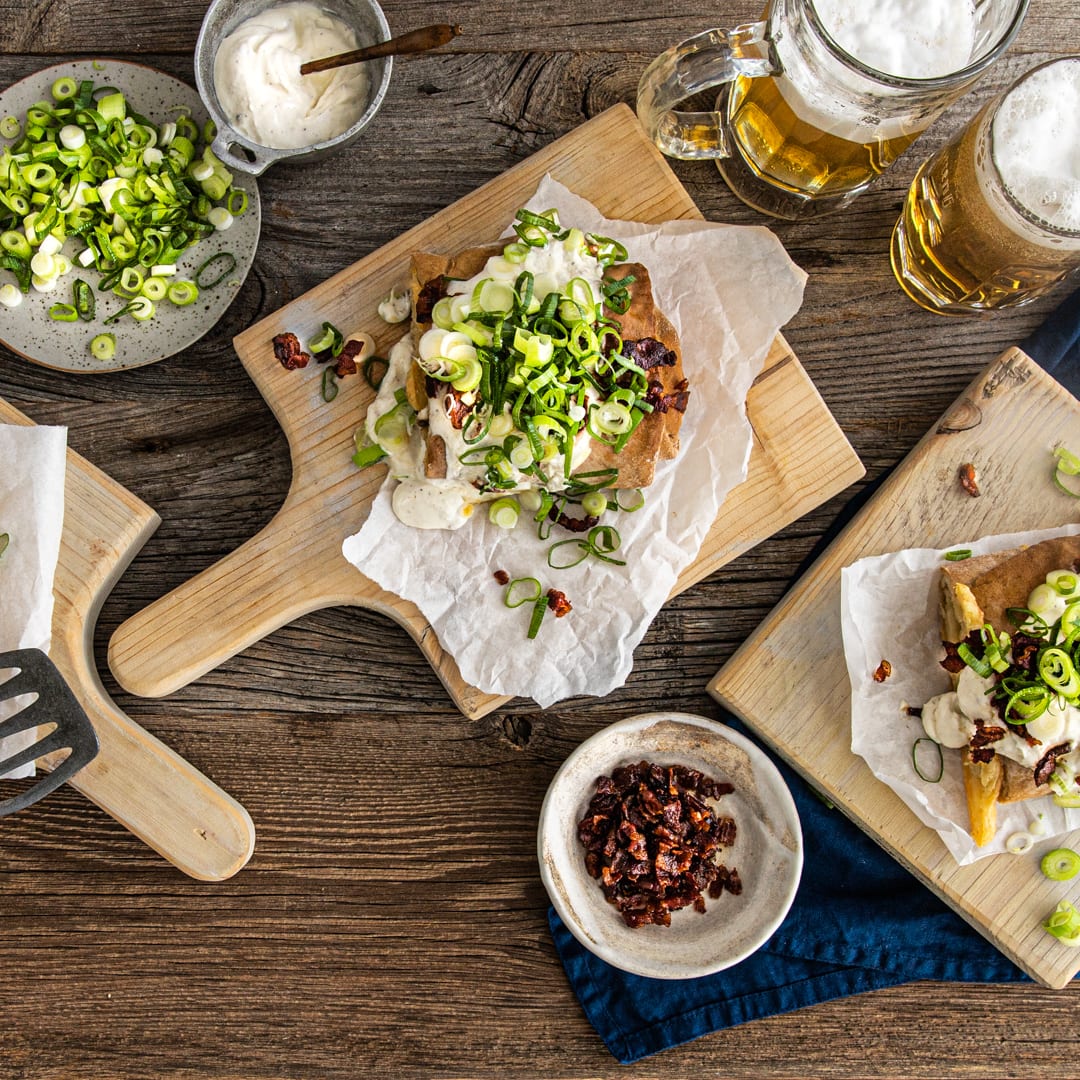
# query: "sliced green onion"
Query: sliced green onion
{"points": [[958, 555], [83, 296], [1066, 463], [329, 384], [65, 88], [368, 456], [976, 663], [504, 513], [10, 128], [180, 293], [63, 313], [374, 370], [156, 288], [222, 259], [1019, 843], [594, 503], [1061, 864], [1064, 924], [540, 607], [931, 775], [103, 347], [524, 590], [329, 340], [5, 539]]}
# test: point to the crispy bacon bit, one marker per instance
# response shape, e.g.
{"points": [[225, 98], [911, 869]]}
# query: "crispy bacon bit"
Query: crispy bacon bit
{"points": [[967, 480], [661, 402], [346, 362], [952, 662], [1044, 769], [558, 603], [502, 577], [884, 670], [428, 297], [648, 353], [287, 349], [984, 735], [571, 523], [652, 841]]}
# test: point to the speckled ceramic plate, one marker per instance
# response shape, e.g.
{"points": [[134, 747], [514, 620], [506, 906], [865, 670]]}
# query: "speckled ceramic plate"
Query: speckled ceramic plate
{"points": [[28, 330], [767, 852]]}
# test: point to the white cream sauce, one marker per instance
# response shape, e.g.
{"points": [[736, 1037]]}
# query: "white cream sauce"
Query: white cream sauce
{"points": [[258, 82], [949, 718], [426, 503]]}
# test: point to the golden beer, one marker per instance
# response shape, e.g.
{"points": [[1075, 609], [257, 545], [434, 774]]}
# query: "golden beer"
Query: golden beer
{"points": [[966, 241], [818, 99], [784, 149]]}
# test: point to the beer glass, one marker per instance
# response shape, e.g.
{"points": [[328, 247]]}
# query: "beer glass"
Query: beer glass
{"points": [[804, 122], [992, 220]]}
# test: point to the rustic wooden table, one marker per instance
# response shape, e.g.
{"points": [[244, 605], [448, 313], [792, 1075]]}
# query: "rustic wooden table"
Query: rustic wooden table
{"points": [[392, 919]]}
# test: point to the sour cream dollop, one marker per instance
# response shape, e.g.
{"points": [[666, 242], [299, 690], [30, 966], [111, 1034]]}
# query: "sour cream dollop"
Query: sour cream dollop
{"points": [[258, 82]]}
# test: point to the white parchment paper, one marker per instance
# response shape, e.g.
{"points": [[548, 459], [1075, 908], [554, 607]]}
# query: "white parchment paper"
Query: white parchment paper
{"points": [[889, 611], [32, 467], [728, 290]]}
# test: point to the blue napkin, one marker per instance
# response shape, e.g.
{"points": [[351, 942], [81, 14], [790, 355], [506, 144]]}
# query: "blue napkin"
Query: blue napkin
{"points": [[859, 922]]}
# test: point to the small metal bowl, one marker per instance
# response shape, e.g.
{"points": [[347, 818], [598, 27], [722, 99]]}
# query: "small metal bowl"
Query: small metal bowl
{"points": [[237, 151]]}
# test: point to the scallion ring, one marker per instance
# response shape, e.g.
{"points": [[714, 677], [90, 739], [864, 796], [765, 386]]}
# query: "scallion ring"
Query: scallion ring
{"points": [[931, 776], [224, 259], [63, 313], [1061, 864], [329, 384], [103, 347], [516, 595], [374, 370], [958, 555]]}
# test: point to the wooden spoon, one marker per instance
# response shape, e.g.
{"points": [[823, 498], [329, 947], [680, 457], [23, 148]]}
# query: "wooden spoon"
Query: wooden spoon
{"points": [[416, 41]]}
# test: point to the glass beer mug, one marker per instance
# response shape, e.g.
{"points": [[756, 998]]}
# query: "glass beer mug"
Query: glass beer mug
{"points": [[992, 220], [822, 96]]}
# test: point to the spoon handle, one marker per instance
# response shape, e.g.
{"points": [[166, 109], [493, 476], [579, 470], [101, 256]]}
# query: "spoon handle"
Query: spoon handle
{"points": [[427, 37]]}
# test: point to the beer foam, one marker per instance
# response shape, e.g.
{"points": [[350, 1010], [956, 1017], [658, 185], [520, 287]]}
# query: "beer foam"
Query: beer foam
{"points": [[903, 38], [911, 39], [1037, 143]]}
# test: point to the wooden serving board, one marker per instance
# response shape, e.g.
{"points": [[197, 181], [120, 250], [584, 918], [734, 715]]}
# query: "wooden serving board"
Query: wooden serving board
{"points": [[294, 566], [136, 778], [790, 683]]}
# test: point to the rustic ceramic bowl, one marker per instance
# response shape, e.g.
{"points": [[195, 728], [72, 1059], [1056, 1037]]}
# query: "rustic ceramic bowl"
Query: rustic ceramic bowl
{"points": [[767, 851], [236, 150]]}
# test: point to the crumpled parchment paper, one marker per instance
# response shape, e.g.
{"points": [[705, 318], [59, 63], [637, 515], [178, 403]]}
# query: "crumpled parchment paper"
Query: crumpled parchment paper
{"points": [[889, 611], [728, 290], [33, 462]]}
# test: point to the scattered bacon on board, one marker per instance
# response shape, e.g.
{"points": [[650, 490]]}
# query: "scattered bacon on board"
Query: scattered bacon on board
{"points": [[652, 841]]}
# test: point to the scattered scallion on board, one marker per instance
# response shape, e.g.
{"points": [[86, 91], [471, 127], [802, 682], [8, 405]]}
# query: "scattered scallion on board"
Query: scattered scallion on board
{"points": [[5, 539]]}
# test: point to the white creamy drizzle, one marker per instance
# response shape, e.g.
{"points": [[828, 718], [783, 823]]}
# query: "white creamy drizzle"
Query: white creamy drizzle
{"points": [[258, 82], [949, 718], [425, 503]]}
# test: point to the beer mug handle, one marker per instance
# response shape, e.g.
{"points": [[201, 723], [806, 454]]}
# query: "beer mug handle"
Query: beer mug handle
{"points": [[699, 63]]}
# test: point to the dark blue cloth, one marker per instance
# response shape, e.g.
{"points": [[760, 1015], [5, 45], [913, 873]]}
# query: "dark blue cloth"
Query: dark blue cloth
{"points": [[859, 922]]}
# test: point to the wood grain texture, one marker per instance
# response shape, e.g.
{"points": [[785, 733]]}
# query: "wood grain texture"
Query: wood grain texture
{"points": [[391, 922], [135, 778]]}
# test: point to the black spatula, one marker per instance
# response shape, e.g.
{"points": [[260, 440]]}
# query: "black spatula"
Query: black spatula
{"points": [[54, 704]]}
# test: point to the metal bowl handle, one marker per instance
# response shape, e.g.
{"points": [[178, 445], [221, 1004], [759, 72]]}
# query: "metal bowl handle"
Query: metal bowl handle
{"points": [[260, 161]]}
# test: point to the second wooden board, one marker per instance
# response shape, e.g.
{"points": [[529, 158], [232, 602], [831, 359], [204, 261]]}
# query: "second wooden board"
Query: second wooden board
{"points": [[789, 680], [800, 457]]}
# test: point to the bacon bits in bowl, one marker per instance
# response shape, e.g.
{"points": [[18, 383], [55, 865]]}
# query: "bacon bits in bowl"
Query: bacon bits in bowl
{"points": [[670, 845]]}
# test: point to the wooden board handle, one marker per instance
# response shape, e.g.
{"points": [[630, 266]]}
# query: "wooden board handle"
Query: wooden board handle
{"points": [[287, 570], [161, 798]]}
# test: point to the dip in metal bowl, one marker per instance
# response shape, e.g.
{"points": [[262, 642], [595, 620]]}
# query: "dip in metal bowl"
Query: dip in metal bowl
{"points": [[237, 151]]}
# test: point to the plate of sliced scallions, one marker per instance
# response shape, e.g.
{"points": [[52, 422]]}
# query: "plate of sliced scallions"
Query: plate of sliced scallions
{"points": [[123, 239]]}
